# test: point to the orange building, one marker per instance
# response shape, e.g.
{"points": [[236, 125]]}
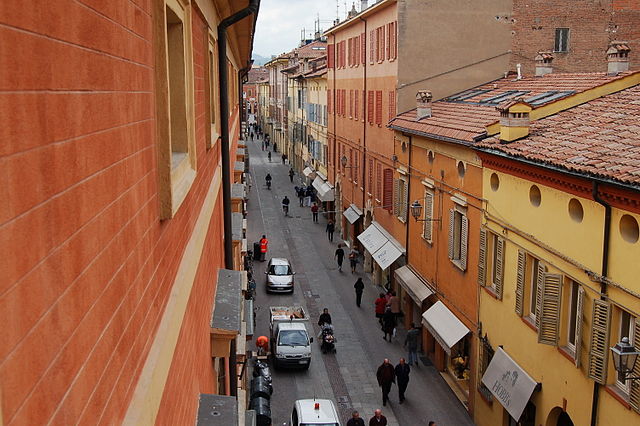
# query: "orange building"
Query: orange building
{"points": [[110, 247]]}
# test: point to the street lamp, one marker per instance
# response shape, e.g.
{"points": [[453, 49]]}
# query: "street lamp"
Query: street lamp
{"points": [[416, 212], [624, 358], [343, 162]]}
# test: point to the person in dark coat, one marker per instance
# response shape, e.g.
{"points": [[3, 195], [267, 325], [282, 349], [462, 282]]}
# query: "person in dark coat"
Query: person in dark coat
{"points": [[386, 376], [339, 256], [325, 317], [359, 286], [314, 212], [331, 227], [301, 192], [291, 173], [355, 420], [402, 377], [378, 419], [388, 323]]}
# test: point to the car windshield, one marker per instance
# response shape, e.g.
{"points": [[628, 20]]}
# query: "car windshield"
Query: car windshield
{"points": [[293, 338], [280, 270]]}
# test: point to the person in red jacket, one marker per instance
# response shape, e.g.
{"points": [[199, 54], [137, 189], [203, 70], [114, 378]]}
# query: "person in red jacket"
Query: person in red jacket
{"points": [[381, 303], [264, 245], [314, 212]]}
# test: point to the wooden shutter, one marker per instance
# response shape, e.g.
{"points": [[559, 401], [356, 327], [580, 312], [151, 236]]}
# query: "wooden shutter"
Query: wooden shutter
{"points": [[371, 45], [464, 242], [328, 101], [634, 391], [387, 196], [350, 103], [599, 342], [363, 49], [579, 308], [379, 107], [482, 258], [370, 107], [356, 106], [522, 264], [452, 218], [395, 39], [539, 286], [379, 182], [396, 197], [331, 51], [370, 183], [405, 199], [344, 102], [364, 105], [499, 278], [427, 232], [550, 309]]}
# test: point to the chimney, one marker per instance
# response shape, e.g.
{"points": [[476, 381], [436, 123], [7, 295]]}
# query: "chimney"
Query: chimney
{"points": [[363, 5], [543, 63], [514, 119], [423, 101], [618, 57]]}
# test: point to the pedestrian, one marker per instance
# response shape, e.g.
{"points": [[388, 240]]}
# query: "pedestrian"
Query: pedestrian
{"points": [[264, 144], [264, 245], [291, 173], [355, 420], [301, 192], [394, 303], [353, 259], [380, 304], [339, 256], [314, 212], [275, 147], [331, 227], [386, 376], [411, 343], [325, 317], [402, 378], [359, 286], [388, 323], [284, 157], [432, 423], [378, 419]]}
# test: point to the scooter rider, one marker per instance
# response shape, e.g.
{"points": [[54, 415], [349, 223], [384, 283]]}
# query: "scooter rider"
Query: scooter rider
{"points": [[325, 317], [285, 205], [267, 179]]}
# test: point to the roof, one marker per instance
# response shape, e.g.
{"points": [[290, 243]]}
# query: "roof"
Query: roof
{"points": [[599, 138], [256, 74], [465, 115], [311, 50], [370, 10]]}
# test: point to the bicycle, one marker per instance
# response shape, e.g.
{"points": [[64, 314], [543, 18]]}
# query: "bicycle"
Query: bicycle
{"points": [[285, 209]]}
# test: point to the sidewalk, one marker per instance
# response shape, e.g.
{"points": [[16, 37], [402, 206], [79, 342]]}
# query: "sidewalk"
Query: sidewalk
{"points": [[360, 347]]}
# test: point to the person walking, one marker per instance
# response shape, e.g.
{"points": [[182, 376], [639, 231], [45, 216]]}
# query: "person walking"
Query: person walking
{"points": [[355, 420], [380, 304], [386, 376], [291, 173], [394, 303], [284, 157], [339, 256], [301, 192], [359, 286], [314, 212], [353, 259], [331, 227], [388, 323], [402, 378], [275, 147], [411, 343], [378, 419], [264, 245]]}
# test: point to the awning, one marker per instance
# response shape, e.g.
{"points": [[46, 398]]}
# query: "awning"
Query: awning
{"points": [[445, 327], [351, 215], [509, 383], [321, 175], [309, 172], [415, 287], [383, 247], [326, 193], [317, 183]]}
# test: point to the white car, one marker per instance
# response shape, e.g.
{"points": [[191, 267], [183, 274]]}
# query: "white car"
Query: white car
{"points": [[279, 275], [314, 412]]}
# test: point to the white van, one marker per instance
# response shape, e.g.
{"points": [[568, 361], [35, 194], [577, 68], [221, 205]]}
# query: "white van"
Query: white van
{"points": [[314, 412]]}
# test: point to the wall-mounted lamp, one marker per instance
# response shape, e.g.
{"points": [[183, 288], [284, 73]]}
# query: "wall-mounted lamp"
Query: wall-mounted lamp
{"points": [[343, 162], [416, 212], [625, 356]]}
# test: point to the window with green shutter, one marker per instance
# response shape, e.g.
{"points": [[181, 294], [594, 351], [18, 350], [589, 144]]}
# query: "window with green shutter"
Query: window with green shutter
{"points": [[551, 297], [427, 227], [520, 280], [599, 341]]}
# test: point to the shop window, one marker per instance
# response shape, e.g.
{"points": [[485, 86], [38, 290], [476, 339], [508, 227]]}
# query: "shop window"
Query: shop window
{"points": [[458, 237], [486, 354], [458, 364]]}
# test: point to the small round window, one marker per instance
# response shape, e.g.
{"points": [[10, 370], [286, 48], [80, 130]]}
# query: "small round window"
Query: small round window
{"points": [[430, 157], [576, 212], [629, 228], [461, 169], [534, 196], [495, 182]]}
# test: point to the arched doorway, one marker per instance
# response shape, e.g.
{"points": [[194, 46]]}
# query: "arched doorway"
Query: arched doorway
{"points": [[564, 419], [559, 417]]}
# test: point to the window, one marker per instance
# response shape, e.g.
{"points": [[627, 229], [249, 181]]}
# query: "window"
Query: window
{"points": [[401, 199], [355, 106], [491, 260], [372, 44], [574, 321], [486, 354], [458, 236], [378, 182], [212, 86], [379, 107], [370, 180], [392, 104], [562, 40], [535, 272], [387, 190], [370, 107], [350, 103], [427, 227], [599, 341], [356, 166]]}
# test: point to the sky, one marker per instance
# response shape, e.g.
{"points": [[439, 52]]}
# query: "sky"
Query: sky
{"points": [[280, 22]]}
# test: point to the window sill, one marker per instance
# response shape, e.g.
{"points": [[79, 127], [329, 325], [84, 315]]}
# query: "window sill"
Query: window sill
{"points": [[459, 264], [430, 242], [618, 395], [182, 177], [567, 353], [528, 323], [490, 291]]}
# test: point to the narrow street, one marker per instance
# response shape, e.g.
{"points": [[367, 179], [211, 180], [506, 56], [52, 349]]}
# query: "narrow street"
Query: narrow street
{"points": [[348, 377]]}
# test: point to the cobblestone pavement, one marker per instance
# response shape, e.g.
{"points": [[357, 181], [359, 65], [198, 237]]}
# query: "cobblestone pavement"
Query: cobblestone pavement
{"points": [[348, 377]]}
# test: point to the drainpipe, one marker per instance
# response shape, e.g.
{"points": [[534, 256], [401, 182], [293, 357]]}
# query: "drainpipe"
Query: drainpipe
{"points": [[364, 126], [408, 200], [603, 285], [224, 123]]}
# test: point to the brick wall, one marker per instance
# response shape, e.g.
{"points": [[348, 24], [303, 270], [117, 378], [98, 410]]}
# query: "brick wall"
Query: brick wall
{"points": [[592, 25], [87, 265]]}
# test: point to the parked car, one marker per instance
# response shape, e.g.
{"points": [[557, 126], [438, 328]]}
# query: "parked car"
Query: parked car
{"points": [[279, 275], [314, 412]]}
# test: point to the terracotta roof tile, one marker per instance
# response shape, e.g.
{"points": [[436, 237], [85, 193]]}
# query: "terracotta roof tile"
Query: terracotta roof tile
{"points": [[605, 141]]}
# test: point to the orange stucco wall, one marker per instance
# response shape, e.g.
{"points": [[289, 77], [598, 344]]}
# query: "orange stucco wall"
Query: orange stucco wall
{"points": [[87, 265]]}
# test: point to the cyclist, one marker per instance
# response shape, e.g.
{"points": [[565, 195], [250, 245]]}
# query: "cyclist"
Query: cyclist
{"points": [[267, 179], [285, 205]]}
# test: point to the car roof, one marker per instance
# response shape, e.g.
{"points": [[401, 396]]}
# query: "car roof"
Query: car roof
{"points": [[325, 414], [279, 261]]}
